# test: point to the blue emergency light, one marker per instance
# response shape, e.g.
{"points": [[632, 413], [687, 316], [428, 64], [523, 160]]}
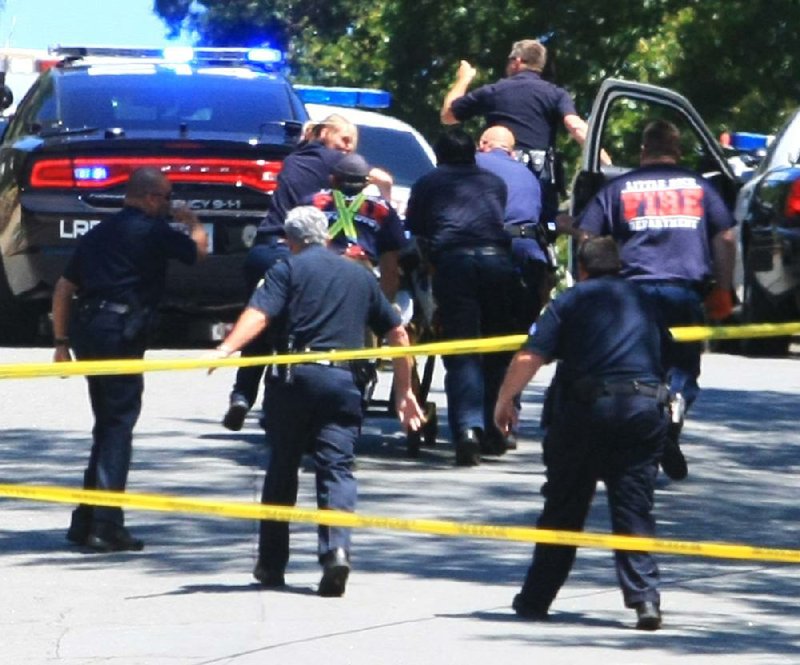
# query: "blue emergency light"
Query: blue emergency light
{"points": [[367, 98], [749, 142]]}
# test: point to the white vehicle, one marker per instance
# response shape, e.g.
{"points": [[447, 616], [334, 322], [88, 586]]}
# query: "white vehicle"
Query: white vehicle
{"points": [[21, 67], [385, 142]]}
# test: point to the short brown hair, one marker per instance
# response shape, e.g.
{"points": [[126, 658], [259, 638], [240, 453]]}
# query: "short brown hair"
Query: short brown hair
{"points": [[661, 138], [599, 256], [531, 52]]}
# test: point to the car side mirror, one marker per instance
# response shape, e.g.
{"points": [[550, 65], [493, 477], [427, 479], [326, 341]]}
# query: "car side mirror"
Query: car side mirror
{"points": [[6, 97]]}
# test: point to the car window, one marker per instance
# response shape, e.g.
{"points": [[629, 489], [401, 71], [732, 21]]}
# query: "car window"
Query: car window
{"points": [[39, 104], [395, 151], [167, 100], [623, 131]]}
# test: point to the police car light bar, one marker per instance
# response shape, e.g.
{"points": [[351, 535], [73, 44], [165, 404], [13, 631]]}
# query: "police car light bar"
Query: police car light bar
{"points": [[367, 98], [233, 55], [749, 142]]}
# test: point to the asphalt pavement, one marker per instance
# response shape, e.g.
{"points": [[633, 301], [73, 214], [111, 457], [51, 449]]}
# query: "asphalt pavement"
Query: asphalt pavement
{"points": [[189, 598]]}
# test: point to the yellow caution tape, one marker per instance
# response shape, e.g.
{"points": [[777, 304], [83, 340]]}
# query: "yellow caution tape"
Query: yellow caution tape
{"points": [[97, 367], [434, 527], [748, 331], [487, 345]]}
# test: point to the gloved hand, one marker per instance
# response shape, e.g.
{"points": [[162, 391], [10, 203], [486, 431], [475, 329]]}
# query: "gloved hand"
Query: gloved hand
{"points": [[719, 304]]}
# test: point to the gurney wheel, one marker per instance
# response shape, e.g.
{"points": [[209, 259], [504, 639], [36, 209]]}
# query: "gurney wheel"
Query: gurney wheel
{"points": [[430, 429]]}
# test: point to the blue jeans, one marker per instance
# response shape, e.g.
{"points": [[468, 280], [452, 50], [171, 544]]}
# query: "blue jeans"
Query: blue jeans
{"points": [[259, 260], [679, 305], [474, 298]]}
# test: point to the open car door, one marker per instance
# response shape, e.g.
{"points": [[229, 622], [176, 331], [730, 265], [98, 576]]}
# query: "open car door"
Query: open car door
{"points": [[619, 114]]}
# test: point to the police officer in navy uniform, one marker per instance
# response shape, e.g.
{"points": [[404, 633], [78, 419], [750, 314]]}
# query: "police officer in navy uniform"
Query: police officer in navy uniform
{"points": [[677, 242], [529, 245], [118, 273], [525, 103], [606, 421], [327, 300], [363, 226], [305, 171], [458, 210]]}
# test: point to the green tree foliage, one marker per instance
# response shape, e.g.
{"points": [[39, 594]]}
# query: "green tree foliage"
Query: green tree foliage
{"points": [[734, 59]]}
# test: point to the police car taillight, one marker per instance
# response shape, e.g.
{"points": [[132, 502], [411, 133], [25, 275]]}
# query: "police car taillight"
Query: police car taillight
{"points": [[86, 173], [792, 207]]}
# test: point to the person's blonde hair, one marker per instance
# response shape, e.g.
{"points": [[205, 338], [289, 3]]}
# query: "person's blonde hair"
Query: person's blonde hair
{"points": [[312, 131]]}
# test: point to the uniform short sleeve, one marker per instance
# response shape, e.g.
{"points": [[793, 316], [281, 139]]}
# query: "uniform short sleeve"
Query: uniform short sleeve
{"points": [[473, 103], [545, 334], [382, 316], [565, 104], [596, 217], [272, 293]]}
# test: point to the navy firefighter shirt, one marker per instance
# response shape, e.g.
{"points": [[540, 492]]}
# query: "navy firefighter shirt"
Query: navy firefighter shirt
{"points": [[328, 300], [603, 327], [663, 218], [305, 171], [124, 258], [529, 106], [458, 206]]}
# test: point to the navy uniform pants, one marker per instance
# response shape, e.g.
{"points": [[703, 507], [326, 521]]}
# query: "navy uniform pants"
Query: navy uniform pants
{"points": [[616, 439], [259, 260], [317, 412], [116, 403], [474, 298], [679, 305]]}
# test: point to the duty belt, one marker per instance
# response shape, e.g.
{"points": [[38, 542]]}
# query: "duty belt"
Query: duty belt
{"points": [[591, 390], [341, 364], [484, 250], [106, 305], [523, 230]]}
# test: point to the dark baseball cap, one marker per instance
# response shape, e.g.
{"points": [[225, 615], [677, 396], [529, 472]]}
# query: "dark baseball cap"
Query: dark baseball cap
{"points": [[351, 167]]}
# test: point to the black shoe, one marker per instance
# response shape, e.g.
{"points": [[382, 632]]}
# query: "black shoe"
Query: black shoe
{"points": [[648, 615], [335, 570], [673, 462], [529, 611], [237, 411], [116, 539], [497, 444], [468, 447], [511, 442], [80, 525], [269, 577]]}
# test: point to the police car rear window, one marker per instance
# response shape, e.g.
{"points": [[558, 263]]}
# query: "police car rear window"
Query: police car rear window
{"points": [[396, 151], [204, 102]]}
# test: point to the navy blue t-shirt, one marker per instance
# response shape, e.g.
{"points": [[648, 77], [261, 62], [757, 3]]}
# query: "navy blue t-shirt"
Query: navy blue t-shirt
{"points": [[327, 299], [529, 106], [304, 171], [124, 258], [663, 218], [524, 197], [604, 328], [457, 206], [378, 227]]}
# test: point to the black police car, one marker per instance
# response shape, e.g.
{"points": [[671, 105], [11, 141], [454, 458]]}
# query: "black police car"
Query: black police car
{"points": [[218, 122], [768, 210]]}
